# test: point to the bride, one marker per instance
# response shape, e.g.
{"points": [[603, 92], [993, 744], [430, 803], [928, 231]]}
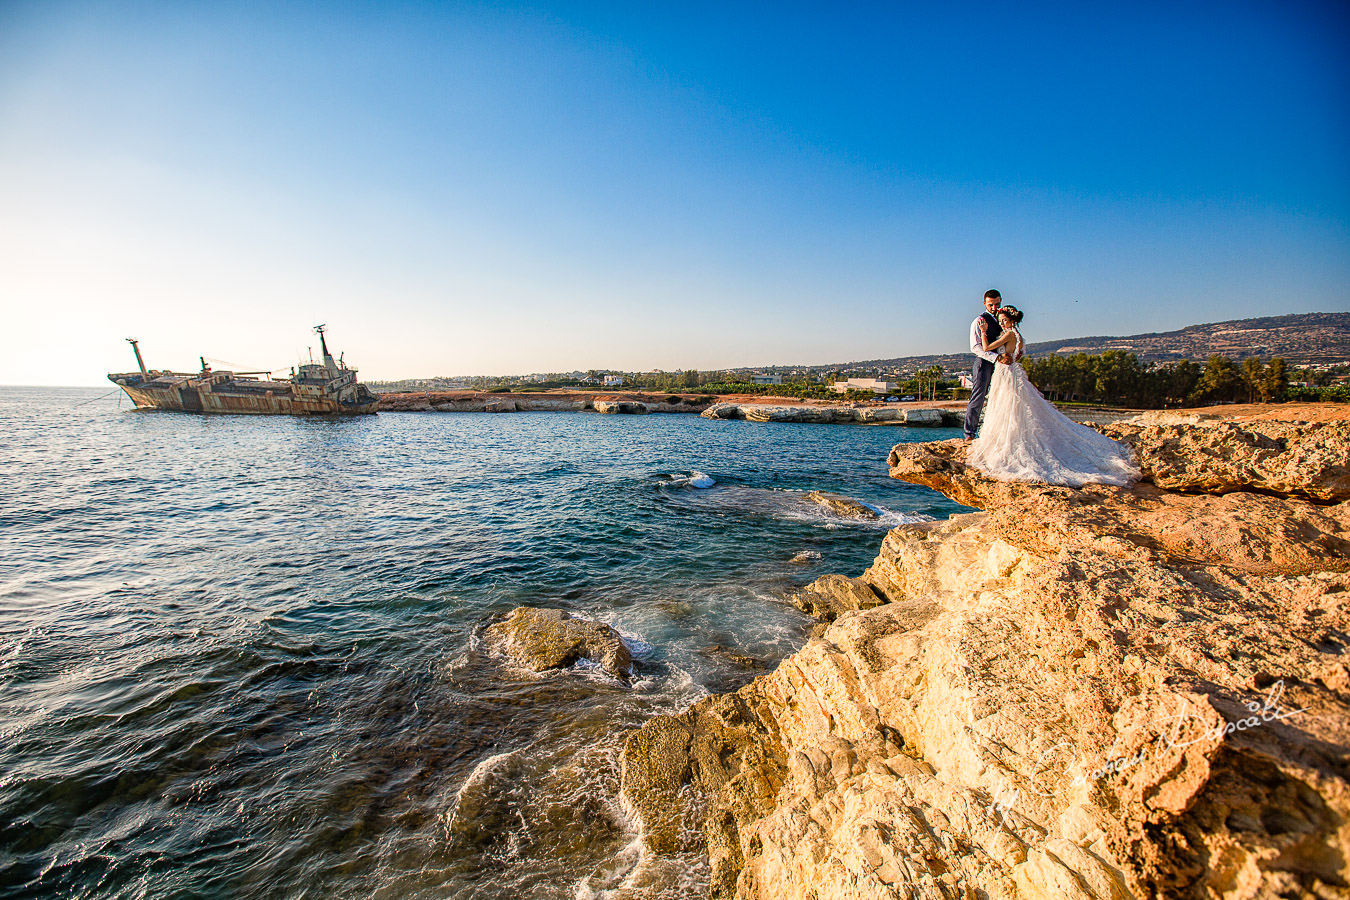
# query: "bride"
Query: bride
{"points": [[1024, 438]]}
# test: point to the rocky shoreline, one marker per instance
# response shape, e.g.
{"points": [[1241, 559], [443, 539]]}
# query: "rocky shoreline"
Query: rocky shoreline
{"points": [[926, 417], [1099, 693], [754, 409], [564, 401]]}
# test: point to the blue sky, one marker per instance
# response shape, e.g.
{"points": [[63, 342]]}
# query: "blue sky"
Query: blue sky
{"points": [[508, 188]]}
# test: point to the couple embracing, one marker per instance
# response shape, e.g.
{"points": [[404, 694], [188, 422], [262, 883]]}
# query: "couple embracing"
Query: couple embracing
{"points": [[1024, 438]]}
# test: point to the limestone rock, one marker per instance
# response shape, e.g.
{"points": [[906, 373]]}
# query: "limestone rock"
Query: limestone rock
{"points": [[623, 407], [1306, 459], [831, 595], [929, 418], [1096, 693], [845, 507], [543, 639], [811, 414], [1248, 532], [881, 414]]}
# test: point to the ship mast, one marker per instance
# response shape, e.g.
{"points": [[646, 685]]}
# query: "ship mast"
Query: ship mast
{"points": [[327, 357], [140, 362]]}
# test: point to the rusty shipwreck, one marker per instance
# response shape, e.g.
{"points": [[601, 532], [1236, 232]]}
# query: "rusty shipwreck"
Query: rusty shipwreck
{"points": [[315, 388]]}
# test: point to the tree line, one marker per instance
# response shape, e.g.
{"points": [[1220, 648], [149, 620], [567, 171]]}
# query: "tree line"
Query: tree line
{"points": [[1119, 378], [1115, 377]]}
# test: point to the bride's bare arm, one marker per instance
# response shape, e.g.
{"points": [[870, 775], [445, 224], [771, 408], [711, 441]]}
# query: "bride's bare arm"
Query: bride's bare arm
{"points": [[1003, 340]]}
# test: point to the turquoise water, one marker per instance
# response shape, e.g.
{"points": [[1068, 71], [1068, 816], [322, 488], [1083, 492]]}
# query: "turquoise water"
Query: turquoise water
{"points": [[245, 657]]}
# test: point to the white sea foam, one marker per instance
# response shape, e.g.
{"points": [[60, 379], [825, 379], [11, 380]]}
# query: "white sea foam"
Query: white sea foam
{"points": [[639, 648], [890, 518], [637, 871], [700, 480]]}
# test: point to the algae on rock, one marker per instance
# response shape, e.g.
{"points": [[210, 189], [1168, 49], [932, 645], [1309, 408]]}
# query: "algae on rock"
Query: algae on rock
{"points": [[543, 639]]}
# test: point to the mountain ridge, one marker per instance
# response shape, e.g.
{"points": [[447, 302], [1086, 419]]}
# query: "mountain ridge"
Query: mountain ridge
{"points": [[1302, 339]]}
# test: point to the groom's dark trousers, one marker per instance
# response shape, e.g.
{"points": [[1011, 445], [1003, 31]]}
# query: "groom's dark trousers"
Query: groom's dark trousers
{"points": [[980, 373]]}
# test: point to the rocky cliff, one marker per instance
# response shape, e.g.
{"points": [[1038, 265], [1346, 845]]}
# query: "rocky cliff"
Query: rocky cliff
{"points": [[1096, 693]]}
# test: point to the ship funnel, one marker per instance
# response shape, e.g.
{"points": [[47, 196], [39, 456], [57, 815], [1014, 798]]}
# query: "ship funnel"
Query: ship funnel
{"points": [[140, 362]]}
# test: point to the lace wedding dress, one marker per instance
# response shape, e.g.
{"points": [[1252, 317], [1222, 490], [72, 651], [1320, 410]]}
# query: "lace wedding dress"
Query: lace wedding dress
{"points": [[1024, 438]]}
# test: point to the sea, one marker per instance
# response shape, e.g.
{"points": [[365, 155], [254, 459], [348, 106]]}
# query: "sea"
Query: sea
{"points": [[247, 657]]}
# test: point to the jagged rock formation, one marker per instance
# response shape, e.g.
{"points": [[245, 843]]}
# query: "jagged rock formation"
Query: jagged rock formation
{"points": [[623, 407], [1096, 693], [543, 639], [829, 596], [1278, 457]]}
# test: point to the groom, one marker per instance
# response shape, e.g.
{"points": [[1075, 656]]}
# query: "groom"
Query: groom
{"points": [[984, 329]]}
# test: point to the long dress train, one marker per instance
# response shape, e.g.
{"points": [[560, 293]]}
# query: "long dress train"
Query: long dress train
{"points": [[1024, 438]]}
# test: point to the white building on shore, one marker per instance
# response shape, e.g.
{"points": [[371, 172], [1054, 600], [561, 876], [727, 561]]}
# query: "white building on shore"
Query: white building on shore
{"points": [[875, 385]]}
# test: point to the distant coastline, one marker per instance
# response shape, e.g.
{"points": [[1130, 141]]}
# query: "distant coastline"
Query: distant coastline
{"points": [[713, 406]]}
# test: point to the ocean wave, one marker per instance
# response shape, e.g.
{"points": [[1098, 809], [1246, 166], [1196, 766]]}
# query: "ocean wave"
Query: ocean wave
{"points": [[692, 479]]}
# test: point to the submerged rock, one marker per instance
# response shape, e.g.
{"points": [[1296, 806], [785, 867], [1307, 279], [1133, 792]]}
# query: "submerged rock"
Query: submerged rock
{"points": [[691, 778], [843, 506], [1085, 693], [719, 651], [543, 639]]}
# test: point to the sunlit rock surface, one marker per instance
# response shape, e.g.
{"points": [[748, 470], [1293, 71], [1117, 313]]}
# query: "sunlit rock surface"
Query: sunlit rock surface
{"points": [[1310, 460], [1095, 693]]}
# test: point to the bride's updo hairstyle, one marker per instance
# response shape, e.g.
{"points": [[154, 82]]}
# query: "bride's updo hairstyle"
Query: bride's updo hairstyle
{"points": [[1011, 312]]}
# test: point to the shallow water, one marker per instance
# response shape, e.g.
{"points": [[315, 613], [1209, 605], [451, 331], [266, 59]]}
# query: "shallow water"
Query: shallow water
{"points": [[244, 656]]}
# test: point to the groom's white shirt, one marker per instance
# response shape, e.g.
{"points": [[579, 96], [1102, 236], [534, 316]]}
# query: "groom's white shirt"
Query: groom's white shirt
{"points": [[977, 345]]}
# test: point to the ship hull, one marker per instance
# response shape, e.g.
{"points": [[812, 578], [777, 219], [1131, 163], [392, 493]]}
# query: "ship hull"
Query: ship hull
{"points": [[315, 388], [267, 403]]}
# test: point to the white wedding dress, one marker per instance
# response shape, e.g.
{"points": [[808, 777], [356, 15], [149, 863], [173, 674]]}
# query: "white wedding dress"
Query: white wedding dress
{"points": [[1024, 438]]}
